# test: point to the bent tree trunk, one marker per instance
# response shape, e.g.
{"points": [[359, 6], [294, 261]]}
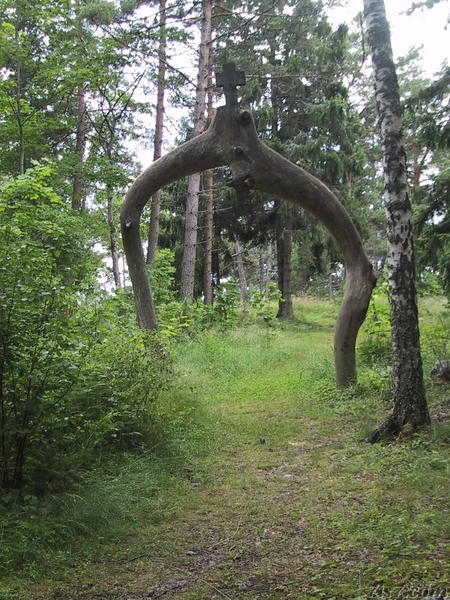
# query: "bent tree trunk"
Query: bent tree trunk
{"points": [[232, 140], [410, 406]]}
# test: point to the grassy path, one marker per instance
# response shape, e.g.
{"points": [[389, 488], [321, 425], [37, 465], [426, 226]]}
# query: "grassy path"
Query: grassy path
{"points": [[286, 503]]}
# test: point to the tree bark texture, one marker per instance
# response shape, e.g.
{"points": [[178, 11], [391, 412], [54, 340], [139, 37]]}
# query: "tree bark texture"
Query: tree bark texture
{"points": [[268, 266], [209, 236], [153, 231], [410, 405], [113, 242], [208, 186], [193, 191], [232, 140]]}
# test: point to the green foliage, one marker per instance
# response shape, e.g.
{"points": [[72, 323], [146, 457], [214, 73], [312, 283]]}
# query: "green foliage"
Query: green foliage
{"points": [[111, 402], [226, 300], [45, 268], [75, 379], [162, 273], [428, 284], [375, 347], [254, 417], [262, 302], [435, 331]]}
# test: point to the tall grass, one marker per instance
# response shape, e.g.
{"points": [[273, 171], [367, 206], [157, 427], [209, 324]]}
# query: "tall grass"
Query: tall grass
{"points": [[260, 394]]}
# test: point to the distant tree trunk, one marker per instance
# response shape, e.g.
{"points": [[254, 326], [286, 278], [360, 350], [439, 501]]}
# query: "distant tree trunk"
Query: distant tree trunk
{"points": [[284, 258], [113, 238], [190, 235], [20, 85], [265, 267], [261, 270], [153, 230], [410, 406], [269, 260], [241, 272], [80, 148], [80, 139], [208, 180], [284, 263], [215, 266], [209, 236]]}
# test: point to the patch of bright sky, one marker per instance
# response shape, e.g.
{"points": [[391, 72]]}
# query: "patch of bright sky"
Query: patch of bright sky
{"points": [[426, 27]]}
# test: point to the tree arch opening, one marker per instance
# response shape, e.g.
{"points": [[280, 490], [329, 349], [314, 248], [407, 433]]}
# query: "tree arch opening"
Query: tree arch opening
{"points": [[232, 140]]}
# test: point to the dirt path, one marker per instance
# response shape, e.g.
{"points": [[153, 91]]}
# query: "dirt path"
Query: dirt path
{"points": [[245, 527]]}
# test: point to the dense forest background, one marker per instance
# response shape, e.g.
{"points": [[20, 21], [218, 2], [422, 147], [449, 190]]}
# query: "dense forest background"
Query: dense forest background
{"points": [[83, 86]]}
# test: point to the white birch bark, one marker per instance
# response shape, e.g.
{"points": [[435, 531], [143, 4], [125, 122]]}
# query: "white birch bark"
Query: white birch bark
{"points": [[410, 405]]}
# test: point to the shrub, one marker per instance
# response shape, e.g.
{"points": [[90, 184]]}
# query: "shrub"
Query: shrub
{"points": [[44, 267], [375, 347], [75, 375]]}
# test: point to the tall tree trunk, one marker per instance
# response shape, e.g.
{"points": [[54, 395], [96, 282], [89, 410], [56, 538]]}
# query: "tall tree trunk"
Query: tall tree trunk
{"points": [[209, 236], [20, 86], [269, 261], [410, 406], [80, 140], [113, 238], [284, 259], [261, 270], [208, 181], [190, 234], [282, 224], [153, 230], [215, 259], [241, 272], [80, 148]]}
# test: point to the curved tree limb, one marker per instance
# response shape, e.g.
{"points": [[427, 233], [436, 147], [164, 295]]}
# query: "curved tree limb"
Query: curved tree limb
{"points": [[232, 140]]}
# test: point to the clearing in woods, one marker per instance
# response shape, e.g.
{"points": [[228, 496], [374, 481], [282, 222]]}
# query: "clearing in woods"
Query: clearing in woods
{"points": [[283, 501]]}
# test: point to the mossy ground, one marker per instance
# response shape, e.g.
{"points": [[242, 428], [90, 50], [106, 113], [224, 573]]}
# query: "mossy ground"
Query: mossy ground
{"points": [[274, 496]]}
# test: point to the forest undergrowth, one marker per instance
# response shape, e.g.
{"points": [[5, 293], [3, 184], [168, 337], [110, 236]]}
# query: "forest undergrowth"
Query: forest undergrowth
{"points": [[258, 486]]}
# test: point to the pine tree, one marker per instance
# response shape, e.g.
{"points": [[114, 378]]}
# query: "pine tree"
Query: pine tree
{"points": [[192, 197], [159, 128]]}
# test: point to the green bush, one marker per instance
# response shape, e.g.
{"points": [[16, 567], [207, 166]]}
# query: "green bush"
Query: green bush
{"points": [[226, 301], [76, 376], [262, 302], [162, 272], [111, 404], [45, 269], [375, 348]]}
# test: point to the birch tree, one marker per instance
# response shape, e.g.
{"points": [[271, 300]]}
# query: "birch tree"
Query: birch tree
{"points": [[410, 406]]}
